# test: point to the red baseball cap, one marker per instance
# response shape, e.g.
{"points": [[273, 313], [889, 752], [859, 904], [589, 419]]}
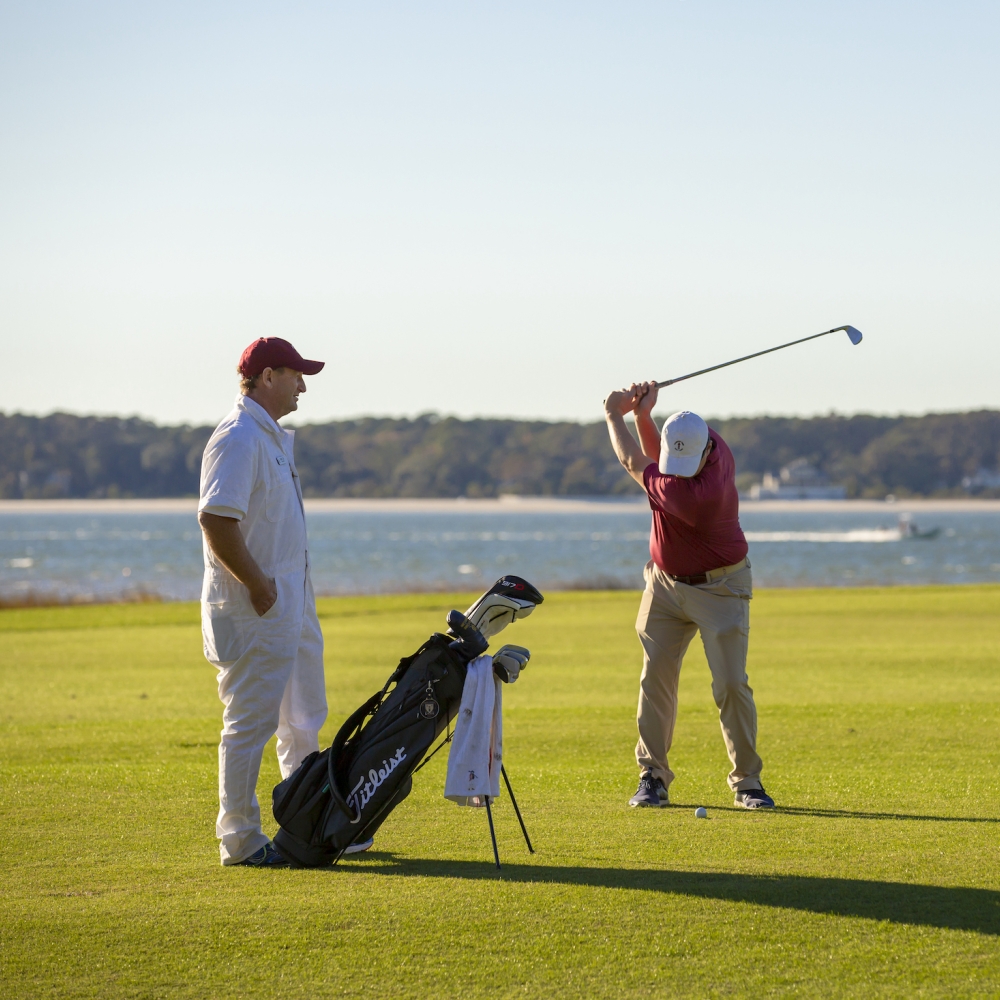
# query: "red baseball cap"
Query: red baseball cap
{"points": [[273, 352]]}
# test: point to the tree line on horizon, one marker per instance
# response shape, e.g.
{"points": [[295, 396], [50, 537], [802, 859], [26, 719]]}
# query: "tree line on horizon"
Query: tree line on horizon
{"points": [[64, 455]]}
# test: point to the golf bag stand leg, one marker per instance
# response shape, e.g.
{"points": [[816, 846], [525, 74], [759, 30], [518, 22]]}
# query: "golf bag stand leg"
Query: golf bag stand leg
{"points": [[510, 792], [493, 836]]}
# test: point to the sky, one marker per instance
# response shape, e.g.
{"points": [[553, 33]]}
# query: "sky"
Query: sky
{"points": [[500, 209]]}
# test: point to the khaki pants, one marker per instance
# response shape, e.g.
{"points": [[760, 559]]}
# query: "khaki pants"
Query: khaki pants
{"points": [[669, 615]]}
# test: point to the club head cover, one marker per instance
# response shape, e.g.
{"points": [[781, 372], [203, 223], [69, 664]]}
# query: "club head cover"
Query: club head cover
{"points": [[509, 661], [497, 612], [468, 638], [508, 600]]}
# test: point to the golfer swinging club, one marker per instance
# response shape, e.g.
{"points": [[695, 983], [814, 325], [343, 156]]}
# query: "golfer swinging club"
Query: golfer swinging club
{"points": [[698, 580], [259, 621]]}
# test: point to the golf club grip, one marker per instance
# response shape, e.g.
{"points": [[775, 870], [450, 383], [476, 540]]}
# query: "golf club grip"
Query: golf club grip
{"points": [[726, 364]]}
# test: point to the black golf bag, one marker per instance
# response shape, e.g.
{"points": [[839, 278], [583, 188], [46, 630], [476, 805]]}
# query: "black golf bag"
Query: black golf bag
{"points": [[341, 795]]}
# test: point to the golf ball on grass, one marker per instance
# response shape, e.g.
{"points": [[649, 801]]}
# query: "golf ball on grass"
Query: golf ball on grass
{"points": [[701, 812]]}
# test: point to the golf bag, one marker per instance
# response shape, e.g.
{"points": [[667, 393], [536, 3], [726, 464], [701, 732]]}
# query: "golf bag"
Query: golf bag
{"points": [[341, 795]]}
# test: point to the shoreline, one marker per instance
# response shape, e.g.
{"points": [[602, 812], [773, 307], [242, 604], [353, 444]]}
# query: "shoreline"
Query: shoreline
{"points": [[499, 505], [146, 599]]}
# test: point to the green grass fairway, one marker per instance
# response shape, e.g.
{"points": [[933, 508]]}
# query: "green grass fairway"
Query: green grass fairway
{"points": [[879, 875]]}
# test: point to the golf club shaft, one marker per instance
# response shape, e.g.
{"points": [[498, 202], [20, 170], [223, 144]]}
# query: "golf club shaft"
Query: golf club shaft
{"points": [[770, 350], [493, 835]]}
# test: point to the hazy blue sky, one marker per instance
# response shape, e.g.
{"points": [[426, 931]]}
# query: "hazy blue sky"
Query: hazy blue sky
{"points": [[499, 208]]}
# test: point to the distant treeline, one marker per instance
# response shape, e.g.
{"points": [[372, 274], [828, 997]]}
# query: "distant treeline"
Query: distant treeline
{"points": [[70, 456]]}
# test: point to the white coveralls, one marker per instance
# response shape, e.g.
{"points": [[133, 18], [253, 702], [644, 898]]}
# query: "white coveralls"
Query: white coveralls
{"points": [[270, 668]]}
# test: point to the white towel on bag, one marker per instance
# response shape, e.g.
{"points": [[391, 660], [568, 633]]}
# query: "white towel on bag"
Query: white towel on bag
{"points": [[476, 753]]}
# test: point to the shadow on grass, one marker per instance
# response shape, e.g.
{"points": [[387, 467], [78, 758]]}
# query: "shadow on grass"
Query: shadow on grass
{"points": [[843, 813], [897, 902]]}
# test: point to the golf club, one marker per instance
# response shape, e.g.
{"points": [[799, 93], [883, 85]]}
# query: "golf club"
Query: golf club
{"points": [[851, 332]]}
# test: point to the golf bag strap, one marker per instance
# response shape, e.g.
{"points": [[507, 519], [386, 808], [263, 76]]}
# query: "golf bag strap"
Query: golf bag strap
{"points": [[345, 732]]}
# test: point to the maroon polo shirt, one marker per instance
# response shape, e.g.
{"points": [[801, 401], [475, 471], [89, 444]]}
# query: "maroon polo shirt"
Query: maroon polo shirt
{"points": [[696, 521]]}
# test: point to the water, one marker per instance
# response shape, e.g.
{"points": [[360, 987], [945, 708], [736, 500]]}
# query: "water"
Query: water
{"points": [[126, 554]]}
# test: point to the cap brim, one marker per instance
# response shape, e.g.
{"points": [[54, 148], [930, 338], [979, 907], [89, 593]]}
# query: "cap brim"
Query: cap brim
{"points": [[312, 367], [679, 465]]}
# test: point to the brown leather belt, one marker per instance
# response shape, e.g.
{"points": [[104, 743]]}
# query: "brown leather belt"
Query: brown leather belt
{"points": [[691, 581], [713, 574]]}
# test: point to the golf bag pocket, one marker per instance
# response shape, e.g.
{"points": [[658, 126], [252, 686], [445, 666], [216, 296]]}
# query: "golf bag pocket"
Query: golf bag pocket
{"points": [[301, 804]]}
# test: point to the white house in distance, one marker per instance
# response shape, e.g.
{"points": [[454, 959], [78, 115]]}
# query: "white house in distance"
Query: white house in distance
{"points": [[797, 481], [984, 479]]}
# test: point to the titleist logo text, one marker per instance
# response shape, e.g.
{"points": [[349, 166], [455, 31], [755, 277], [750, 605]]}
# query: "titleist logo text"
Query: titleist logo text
{"points": [[362, 792]]}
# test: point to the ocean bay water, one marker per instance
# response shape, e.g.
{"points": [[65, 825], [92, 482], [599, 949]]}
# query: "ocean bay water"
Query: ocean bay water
{"points": [[91, 551]]}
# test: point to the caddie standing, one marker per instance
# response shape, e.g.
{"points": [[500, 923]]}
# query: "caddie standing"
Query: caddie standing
{"points": [[697, 580], [259, 621]]}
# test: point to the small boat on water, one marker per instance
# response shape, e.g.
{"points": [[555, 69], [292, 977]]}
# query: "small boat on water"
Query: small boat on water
{"points": [[907, 529]]}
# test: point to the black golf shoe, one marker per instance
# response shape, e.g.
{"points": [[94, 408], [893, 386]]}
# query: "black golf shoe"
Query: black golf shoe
{"points": [[652, 792], [754, 798], [266, 857]]}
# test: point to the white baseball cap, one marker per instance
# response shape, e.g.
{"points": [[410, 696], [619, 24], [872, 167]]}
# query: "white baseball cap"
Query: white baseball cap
{"points": [[682, 442]]}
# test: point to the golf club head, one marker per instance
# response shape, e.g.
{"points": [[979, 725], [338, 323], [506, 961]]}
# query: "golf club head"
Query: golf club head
{"points": [[853, 332], [509, 661], [509, 599]]}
